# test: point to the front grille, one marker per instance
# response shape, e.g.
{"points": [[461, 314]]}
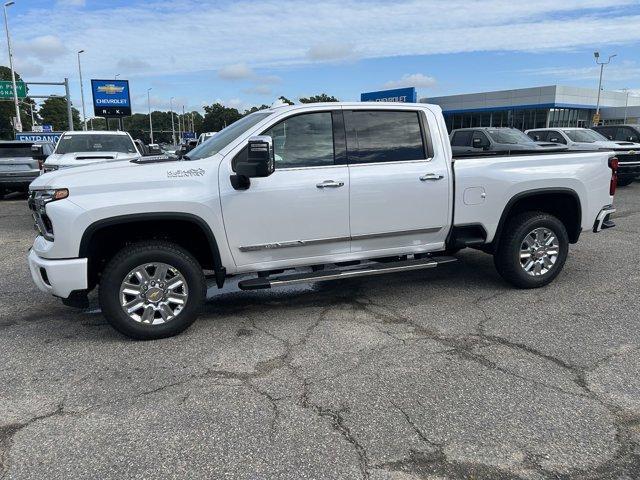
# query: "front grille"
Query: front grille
{"points": [[628, 157]]}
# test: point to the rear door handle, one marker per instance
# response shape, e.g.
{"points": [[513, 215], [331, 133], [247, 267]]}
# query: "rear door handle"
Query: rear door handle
{"points": [[330, 184], [431, 176]]}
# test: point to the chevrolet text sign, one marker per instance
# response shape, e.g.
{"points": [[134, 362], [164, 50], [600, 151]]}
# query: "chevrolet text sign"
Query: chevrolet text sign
{"points": [[404, 95], [111, 98]]}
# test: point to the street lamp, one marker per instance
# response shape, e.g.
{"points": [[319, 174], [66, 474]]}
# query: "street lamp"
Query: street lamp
{"points": [[173, 128], [596, 54], [116, 76], [626, 104], [18, 122], [150, 121], [84, 113]]}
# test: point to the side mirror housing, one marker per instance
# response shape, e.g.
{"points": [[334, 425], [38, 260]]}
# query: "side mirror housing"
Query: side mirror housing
{"points": [[260, 162], [260, 158]]}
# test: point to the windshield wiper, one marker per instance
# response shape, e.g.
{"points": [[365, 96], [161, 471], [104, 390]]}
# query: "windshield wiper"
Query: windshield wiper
{"points": [[186, 157]]}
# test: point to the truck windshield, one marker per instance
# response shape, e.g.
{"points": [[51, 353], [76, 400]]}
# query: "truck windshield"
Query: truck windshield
{"points": [[102, 142], [585, 136], [510, 136], [227, 135]]}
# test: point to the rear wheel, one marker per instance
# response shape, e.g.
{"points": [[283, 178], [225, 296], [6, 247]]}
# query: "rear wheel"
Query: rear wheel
{"points": [[532, 250], [152, 290]]}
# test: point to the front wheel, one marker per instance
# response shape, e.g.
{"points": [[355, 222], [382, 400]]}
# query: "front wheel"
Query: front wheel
{"points": [[152, 290], [532, 250]]}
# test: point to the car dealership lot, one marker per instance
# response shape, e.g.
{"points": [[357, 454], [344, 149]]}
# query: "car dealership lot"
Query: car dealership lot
{"points": [[447, 373]]}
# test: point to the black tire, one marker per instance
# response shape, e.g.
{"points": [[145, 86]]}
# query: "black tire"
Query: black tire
{"points": [[624, 182], [507, 256], [131, 257]]}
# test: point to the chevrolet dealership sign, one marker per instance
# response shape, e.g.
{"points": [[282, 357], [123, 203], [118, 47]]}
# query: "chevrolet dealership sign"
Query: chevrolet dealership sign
{"points": [[403, 95], [111, 98]]}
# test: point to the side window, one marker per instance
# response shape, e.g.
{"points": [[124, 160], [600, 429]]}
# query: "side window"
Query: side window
{"points": [[609, 132], [556, 137], [303, 140], [462, 139], [539, 136], [480, 140], [384, 136], [627, 134]]}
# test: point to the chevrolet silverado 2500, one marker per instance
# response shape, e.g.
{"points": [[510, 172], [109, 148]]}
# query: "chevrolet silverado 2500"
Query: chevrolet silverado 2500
{"points": [[305, 193]]}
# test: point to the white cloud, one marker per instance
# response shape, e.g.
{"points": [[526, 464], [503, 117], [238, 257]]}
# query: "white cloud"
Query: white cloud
{"points": [[133, 64], [417, 80], [237, 71], [229, 36], [626, 70], [45, 48], [330, 51]]}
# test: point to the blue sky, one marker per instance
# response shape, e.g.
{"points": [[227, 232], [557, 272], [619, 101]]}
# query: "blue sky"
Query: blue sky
{"points": [[244, 53]]}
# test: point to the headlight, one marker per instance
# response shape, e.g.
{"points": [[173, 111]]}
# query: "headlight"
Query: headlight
{"points": [[38, 200]]}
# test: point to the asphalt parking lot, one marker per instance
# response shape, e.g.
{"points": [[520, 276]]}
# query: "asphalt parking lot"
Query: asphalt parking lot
{"points": [[438, 374]]}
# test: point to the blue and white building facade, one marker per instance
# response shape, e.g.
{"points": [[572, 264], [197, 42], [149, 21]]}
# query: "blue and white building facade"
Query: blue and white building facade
{"points": [[537, 107]]}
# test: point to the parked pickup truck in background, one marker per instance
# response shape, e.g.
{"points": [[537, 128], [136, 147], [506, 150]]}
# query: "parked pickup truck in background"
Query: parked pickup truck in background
{"points": [[585, 139], [305, 193], [472, 141], [75, 149]]}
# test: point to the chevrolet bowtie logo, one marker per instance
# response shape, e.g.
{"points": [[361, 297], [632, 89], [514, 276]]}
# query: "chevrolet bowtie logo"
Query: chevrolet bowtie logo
{"points": [[110, 89]]}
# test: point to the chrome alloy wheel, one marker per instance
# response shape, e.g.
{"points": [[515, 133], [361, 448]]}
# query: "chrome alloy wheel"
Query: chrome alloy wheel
{"points": [[539, 251], [153, 293]]}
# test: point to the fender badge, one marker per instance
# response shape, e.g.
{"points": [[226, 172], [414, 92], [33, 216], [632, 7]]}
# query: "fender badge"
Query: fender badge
{"points": [[192, 172]]}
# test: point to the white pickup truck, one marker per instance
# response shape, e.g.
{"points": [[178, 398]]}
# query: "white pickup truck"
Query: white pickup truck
{"points": [[305, 193]]}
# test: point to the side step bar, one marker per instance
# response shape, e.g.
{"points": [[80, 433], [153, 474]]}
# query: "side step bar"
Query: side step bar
{"points": [[326, 275]]}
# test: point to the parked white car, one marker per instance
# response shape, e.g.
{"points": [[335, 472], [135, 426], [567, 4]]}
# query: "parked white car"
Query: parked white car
{"points": [[78, 148], [328, 191]]}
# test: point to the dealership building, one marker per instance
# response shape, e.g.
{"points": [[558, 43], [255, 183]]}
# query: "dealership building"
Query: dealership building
{"points": [[537, 107]]}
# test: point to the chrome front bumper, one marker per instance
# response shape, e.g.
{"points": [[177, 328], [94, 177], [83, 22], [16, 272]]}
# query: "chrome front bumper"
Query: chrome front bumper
{"points": [[603, 219]]}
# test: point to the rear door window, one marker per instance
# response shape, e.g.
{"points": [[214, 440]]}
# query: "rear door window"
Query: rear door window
{"points": [[627, 134], [384, 136]]}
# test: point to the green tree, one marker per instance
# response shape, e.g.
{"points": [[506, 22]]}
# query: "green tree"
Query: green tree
{"points": [[8, 110], [285, 100], [256, 109], [323, 97], [54, 112], [217, 116]]}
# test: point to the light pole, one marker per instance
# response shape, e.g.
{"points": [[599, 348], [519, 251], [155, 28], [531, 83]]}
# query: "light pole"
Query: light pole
{"points": [[626, 104], [84, 113], [150, 121], [18, 123], [173, 128], [596, 54]]}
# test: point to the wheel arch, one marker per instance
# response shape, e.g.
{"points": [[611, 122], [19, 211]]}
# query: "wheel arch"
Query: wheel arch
{"points": [[104, 237], [563, 203]]}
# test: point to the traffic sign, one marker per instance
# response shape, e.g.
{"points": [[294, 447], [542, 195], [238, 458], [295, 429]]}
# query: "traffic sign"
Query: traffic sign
{"points": [[6, 90], [596, 119]]}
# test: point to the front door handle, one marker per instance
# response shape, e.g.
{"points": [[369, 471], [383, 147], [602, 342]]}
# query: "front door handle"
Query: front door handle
{"points": [[330, 184], [431, 176]]}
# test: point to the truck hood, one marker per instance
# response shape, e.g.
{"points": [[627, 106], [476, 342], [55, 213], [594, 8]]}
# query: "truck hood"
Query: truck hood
{"points": [[121, 175], [77, 159]]}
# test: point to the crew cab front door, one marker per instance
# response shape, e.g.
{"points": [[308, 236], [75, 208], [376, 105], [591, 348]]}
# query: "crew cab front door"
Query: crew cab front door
{"points": [[399, 194], [300, 212]]}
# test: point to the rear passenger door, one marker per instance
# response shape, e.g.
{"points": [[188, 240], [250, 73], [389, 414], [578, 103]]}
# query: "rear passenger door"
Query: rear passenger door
{"points": [[399, 196]]}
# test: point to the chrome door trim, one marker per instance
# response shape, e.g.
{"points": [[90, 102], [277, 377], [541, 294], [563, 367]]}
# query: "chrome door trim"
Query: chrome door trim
{"points": [[304, 243]]}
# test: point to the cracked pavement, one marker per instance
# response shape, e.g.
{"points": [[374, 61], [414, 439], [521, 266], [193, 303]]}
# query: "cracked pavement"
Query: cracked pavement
{"points": [[440, 374]]}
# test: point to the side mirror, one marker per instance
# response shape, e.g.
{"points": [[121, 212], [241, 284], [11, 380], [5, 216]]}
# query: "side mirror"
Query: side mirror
{"points": [[260, 158], [260, 162]]}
